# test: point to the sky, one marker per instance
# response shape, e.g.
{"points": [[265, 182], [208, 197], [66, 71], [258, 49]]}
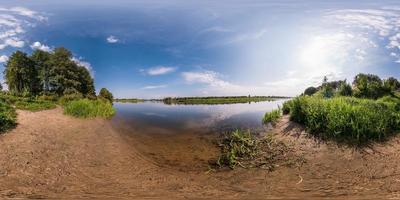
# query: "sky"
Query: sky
{"points": [[155, 49]]}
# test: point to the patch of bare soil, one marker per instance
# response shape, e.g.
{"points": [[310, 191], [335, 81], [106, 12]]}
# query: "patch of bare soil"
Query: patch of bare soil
{"points": [[50, 155]]}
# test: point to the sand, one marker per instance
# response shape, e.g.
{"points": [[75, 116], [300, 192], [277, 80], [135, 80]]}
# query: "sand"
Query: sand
{"points": [[50, 155]]}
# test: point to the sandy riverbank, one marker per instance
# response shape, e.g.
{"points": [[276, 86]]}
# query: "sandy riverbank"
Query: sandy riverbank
{"points": [[55, 156]]}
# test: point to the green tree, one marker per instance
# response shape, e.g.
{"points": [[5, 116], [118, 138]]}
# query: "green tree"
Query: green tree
{"points": [[368, 86], [391, 84], [86, 86], [21, 75], [43, 66], [1, 87], [310, 91], [345, 89], [63, 73], [104, 93]]}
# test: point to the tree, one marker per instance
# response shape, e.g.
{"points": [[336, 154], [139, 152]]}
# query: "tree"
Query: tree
{"points": [[1, 87], [310, 91], [368, 86], [42, 65], [345, 89], [391, 84], [104, 93], [86, 86], [21, 75]]}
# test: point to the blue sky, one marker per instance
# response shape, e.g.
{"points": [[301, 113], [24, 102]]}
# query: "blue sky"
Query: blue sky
{"points": [[152, 49]]}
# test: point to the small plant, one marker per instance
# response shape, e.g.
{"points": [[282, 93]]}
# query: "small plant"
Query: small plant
{"points": [[236, 147], [7, 116], [272, 117]]}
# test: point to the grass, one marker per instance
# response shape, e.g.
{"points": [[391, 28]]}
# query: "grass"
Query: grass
{"points": [[272, 117], [35, 105], [346, 119], [218, 100], [85, 108], [7, 116], [241, 148]]}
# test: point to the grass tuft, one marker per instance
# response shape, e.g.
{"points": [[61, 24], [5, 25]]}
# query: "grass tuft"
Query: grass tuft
{"points": [[8, 116], [272, 117]]}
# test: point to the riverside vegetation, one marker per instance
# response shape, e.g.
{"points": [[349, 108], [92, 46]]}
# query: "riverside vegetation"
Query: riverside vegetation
{"points": [[44, 80], [369, 110], [219, 99]]}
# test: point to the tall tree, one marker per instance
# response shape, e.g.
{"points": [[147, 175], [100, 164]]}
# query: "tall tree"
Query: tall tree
{"points": [[63, 73], [391, 84], [42, 65], [20, 74]]}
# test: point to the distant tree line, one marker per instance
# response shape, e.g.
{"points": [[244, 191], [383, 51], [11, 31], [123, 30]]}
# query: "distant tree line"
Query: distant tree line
{"points": [[49, 73], [364, 86]]}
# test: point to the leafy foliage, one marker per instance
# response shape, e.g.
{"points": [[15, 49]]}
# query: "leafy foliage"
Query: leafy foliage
{"points": [[7, 116], [310, 91], [104, 93], [47, 72], [368, 86]]}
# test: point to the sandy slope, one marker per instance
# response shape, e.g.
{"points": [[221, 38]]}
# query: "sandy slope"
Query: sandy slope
{"points": [[55, 156]]}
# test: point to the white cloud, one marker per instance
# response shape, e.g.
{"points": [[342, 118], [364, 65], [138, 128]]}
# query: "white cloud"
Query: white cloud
{"points": [[160, 70], [13, 22], [3, 58], [112, 39], [385, 23], [40, 46], [207, 77], [151, 87]]}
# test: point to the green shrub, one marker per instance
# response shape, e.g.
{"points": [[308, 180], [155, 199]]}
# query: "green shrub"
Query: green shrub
{"points": [[286, 107], [104, 93], [34, 105], [346, 119], [85, 108], [272, 117], [7, 116]]}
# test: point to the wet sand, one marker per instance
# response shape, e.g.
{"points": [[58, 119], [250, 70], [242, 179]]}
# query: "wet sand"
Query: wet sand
{"points": [[50, 155]]}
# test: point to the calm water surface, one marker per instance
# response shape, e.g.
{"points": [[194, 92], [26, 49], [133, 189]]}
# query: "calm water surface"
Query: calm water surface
{"points": [[176, 119]]}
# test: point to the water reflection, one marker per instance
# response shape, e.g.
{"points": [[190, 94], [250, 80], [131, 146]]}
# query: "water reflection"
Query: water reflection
{"points": [[204, 118]]}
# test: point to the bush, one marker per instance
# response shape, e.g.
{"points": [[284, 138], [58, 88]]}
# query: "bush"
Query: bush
{"points": [[85, 108], [47, 97], [345, 89], [272, 117], [310, 91], [286, 107], [346, 119], [104, 93], [7, 116]]}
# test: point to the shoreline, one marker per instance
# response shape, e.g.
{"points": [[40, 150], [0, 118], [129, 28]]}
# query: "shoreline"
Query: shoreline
{"points": [[50, 155]]}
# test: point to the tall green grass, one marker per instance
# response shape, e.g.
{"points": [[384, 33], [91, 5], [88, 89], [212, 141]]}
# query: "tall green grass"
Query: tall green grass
{"points": [[85, 108], [346, 119], [7, 116], [272, 117]]}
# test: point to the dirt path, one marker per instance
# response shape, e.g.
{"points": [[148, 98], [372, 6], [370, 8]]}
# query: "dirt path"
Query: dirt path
{"points": [[50, 155]]}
